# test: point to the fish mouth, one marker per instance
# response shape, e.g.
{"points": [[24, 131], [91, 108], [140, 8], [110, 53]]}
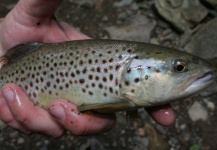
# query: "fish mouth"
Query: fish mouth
{"points": [[202, 82], [205, 78]]}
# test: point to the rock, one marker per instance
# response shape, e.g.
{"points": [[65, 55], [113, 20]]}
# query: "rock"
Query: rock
{"points": [[138, 30], [203, 42], [213, 3], [140, 131], [156, 141], [84, 3], [210, 104], [183, 14], [92, 144], [123, 3], [20, 140], [197, 112]]}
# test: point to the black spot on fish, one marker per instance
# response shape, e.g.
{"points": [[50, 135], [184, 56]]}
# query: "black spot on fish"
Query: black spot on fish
{"points": [[81, 81], [136, 57], [90, 93], [111, 60], [103, 61], [117, 67], [83, 90], [104, 79], [72, 74], [129, 50], [85, 55], [100, 86], [120, 57], [84, 70], [157, 70], [90, 76], [128, 70], [127, 83], [111, 77], [98, 69], [97, 78], [136, 80], [93, 85], [111, 89], [90, 61], [105, 70]]}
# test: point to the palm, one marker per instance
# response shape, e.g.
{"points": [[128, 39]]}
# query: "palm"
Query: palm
{"points": [[41, 27]]}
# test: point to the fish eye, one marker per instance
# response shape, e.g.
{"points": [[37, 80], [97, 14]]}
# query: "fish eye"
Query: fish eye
{"points": [[180, 66]]}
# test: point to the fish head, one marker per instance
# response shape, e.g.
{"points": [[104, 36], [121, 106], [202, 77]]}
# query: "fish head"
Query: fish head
{"points": [[162, 75]]}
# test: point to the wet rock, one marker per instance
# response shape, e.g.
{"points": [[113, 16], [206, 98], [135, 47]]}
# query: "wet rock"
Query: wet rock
{"points": [[203, 42], [183, 14], [139, 29], [197, 112]]}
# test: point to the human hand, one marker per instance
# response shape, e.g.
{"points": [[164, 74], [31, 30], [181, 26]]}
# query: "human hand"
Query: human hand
{"points": [[33, 20]]}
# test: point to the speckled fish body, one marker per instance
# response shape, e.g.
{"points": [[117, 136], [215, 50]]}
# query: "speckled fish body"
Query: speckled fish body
{"points": [[105, 75]]}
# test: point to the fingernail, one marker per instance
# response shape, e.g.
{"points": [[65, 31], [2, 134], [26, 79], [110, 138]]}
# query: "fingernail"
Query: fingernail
{"points": [[58, 112], [8, 94]]}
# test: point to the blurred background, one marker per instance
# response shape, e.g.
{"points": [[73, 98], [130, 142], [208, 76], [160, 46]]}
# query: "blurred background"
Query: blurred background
{"points": [[189, 25]]}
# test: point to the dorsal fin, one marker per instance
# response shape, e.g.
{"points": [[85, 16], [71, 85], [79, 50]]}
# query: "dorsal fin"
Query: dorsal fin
{"points": [[18, 51]]}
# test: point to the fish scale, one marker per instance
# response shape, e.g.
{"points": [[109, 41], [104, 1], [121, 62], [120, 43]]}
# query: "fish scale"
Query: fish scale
{"points": [[75, 72], [104, 75]]}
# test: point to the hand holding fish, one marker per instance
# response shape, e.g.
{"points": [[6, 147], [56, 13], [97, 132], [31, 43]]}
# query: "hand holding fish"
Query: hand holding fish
{"points": [[33, 20]]}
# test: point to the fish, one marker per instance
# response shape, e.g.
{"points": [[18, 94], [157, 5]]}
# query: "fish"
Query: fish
{"points": [[104, 75]]}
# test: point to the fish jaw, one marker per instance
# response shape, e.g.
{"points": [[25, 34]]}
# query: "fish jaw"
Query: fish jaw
{"points": [[200, 83]]}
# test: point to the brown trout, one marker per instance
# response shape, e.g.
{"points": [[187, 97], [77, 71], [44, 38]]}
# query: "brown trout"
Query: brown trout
{"points": [[105, 75]]}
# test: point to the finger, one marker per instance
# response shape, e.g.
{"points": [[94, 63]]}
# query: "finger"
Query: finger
{"points": [[163, 114], [38, 8], [64, 31], [7, 117], [27, 114], [81, 123]]}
